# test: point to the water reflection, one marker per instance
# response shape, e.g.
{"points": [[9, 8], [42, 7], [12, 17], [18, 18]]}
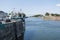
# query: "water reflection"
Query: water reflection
{"points": [[38, 29]]}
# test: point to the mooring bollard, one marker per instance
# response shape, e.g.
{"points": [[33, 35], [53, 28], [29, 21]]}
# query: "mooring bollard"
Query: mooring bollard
{"points": [[22, 19], [23, 22]]}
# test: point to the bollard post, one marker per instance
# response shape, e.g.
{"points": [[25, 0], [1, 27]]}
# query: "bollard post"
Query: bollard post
{"points": [[15, 30], [23, 21]]}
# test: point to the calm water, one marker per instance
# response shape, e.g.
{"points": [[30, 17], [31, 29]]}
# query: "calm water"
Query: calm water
{"points": [[38, 29]]}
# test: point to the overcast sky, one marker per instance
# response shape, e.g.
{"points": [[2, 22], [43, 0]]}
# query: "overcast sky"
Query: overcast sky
{"points": [[31, 7]]}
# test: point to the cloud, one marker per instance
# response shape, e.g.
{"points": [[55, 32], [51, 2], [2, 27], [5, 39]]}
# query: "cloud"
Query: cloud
{"points": [[58, 5]]}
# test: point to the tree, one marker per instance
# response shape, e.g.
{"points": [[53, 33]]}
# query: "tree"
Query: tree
{"points": [[57, 15], [52, 14], [47, 14], [38, 15]]}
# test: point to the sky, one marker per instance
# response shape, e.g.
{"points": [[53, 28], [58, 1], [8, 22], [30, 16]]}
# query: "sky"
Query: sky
{"points": [[31, 7]]}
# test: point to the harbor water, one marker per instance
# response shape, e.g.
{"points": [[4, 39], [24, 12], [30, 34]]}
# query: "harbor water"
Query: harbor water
{"points": [[39, 29]]}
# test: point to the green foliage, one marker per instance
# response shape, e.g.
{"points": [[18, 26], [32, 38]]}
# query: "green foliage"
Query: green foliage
{"points": [[38, 15], [52, 14], [47, 14], [55, 14]]}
